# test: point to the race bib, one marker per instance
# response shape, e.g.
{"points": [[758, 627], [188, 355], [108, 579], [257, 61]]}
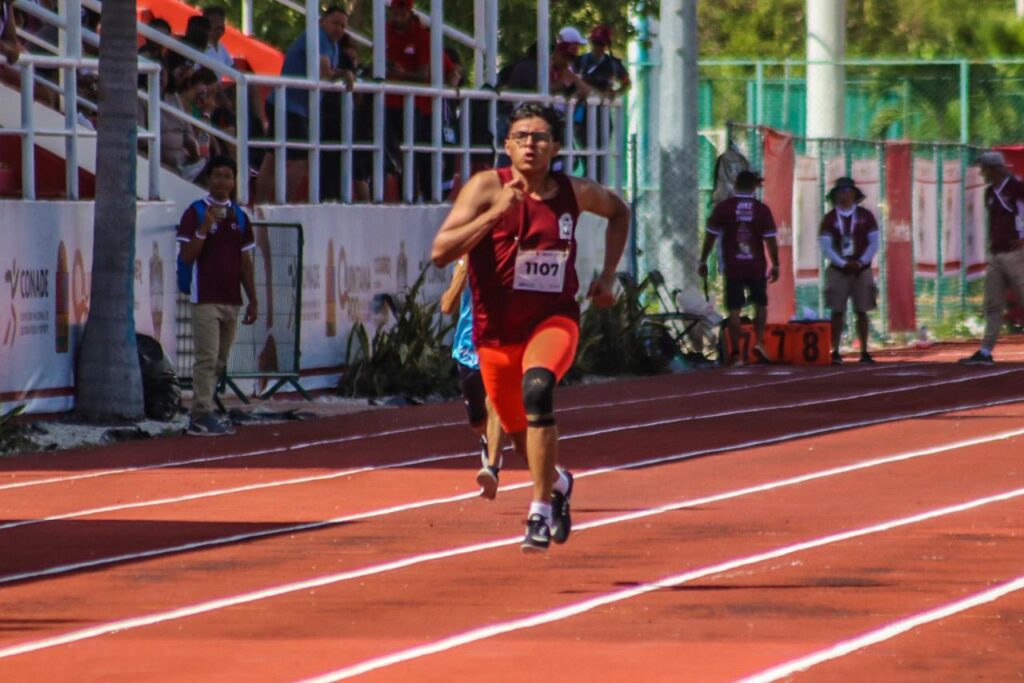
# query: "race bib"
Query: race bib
{"points": [[540, 271]]}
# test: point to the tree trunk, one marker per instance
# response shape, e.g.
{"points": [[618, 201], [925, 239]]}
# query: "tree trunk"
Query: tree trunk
{"points": [[109, 383]]}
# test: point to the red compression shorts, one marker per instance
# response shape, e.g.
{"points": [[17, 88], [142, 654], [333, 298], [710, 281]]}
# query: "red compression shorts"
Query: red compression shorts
{"points": [[552, 346]]}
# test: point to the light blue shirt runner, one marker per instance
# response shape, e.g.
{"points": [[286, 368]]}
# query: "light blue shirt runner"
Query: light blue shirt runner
{"points": [[463, 349]]}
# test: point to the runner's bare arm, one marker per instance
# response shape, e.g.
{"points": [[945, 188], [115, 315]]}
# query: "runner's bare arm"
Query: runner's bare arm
{"points": [[479, 206], [450, 298], [597, 199]]}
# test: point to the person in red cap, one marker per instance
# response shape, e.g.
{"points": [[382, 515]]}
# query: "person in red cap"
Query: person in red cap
{"points": [[601, 70], [408, 59]]}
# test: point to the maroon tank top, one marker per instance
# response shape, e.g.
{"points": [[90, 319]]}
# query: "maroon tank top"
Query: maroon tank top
{"points": [[504, 315]]}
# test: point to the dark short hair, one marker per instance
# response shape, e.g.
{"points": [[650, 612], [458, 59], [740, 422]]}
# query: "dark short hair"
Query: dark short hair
{"points": [[535, 110], [156, 23], [221, 161], [748, 180], [331, 9], [215, 11], [203, 77]]}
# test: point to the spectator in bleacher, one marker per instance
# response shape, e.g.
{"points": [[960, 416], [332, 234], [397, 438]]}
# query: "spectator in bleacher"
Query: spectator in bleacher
{"points": [[849, 239], [333, 24], [217, 17], [197, 37], [9, 47], [562, 80], [745, 226], [1004, 198], [450, 126], [183, 146], [151, 49], [408, 59], [331, 115], [600, 69]]}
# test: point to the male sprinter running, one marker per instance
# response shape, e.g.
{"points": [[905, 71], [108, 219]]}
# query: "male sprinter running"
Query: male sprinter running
{"points": [[482, 418], [518, 226]]}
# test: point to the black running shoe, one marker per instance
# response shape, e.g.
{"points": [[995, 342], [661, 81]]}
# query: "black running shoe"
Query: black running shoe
{"points": [[561, 520], [487, 478], [978, 358], [866, 358], [836, 358], [538, 535]]}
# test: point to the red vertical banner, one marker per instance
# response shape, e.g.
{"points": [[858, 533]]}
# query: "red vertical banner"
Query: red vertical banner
{"points": [[899, 257], [779, 173]]}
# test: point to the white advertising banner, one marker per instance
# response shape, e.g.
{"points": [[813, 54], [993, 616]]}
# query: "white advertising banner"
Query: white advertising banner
{"points": [[356, 256], [46, 250], [925, 215], [807, 202]]}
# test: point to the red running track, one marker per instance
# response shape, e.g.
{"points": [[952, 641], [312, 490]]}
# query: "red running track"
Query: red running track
{"points": [[847, 523]]}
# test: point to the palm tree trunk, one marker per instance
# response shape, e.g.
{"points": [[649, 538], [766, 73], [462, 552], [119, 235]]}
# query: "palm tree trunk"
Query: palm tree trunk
{"points": [[109, 383]]}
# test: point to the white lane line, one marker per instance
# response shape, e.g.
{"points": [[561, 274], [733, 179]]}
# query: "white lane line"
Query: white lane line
{"points": [[862, 641], [238, 538], [372, 468], [374, 570], [391, 432], [578, 608]]}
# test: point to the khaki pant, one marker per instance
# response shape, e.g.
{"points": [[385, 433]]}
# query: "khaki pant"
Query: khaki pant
{"points": [[841, 286], [1004, 271], [213, 332]]}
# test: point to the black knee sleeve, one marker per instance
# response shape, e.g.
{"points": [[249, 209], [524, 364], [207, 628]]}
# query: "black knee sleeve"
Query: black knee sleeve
{"points": [[539, 397]]}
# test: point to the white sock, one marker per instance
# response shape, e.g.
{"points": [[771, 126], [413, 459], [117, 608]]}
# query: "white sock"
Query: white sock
{"points": [[543, 509], [561, 482]]}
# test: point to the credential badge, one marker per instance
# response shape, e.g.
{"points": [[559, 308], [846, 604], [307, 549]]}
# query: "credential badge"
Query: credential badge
{"points": [[565, 227]]}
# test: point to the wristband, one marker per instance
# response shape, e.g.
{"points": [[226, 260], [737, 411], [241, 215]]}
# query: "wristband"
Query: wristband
{"points": [[201, 237]]}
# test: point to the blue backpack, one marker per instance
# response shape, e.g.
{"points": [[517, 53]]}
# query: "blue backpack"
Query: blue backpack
{"points": [[185, 269]]}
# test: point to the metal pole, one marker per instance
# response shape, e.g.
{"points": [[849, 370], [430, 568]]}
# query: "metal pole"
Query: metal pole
{"points": [[883, 237], [379, 73], [543, 48], [826, 50], [313, 74], [72, 49], [247, 17], [939, 265], [436, 82], [241, 138], [679, 139], [480, 36], [965, 105], [963, 229]]}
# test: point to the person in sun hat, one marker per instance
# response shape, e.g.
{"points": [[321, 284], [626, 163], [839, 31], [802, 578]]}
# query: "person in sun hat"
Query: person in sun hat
{"points": [[745, 226], [849, 239], [1004, 199]]}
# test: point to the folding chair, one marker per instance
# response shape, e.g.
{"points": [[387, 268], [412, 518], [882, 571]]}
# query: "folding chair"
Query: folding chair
{"points": [[695, 335]]}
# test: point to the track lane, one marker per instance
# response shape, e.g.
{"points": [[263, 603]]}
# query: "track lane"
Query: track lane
{"points": [[448, 527]]}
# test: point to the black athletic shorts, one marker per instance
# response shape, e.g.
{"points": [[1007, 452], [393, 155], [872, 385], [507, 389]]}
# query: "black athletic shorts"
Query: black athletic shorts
{"points": [[741, 291], [473, 395]]}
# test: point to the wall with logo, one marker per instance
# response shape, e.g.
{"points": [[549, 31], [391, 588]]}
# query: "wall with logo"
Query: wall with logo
{"points": [[46, 251], [353, 257]]}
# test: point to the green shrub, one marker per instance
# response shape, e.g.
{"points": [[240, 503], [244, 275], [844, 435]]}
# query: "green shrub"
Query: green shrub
{"points": [[618, 340], [411, 357], [11, 435]]}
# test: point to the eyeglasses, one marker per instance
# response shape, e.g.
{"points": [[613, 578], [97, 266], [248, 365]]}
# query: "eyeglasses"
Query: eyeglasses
{"points": [[539, 138]]}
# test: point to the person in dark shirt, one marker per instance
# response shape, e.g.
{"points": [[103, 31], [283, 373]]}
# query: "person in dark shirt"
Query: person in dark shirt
{"points": [[849, 239], [744, 226], [600, 69], [1004, 199]]}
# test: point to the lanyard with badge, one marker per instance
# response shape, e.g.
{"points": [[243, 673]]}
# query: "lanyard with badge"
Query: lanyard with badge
{"points": [[846, 238], [542, 270]]}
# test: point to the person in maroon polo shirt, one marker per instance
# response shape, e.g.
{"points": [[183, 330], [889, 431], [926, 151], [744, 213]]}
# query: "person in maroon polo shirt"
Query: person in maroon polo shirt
{"points": [[1004, 199], [744, 225], [849, 239], [408, 59], [217, 243], [518, 225]]}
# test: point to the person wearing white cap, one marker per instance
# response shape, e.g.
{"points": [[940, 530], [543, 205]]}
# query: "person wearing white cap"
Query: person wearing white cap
{"points": [[1004, 199], [571, 35]]}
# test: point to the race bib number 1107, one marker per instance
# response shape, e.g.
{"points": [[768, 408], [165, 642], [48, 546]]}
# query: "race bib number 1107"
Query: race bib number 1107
{"points": [[540, 271]]}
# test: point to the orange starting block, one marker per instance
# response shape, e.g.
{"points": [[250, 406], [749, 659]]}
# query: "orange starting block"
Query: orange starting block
{"points": [[795, 343]]}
